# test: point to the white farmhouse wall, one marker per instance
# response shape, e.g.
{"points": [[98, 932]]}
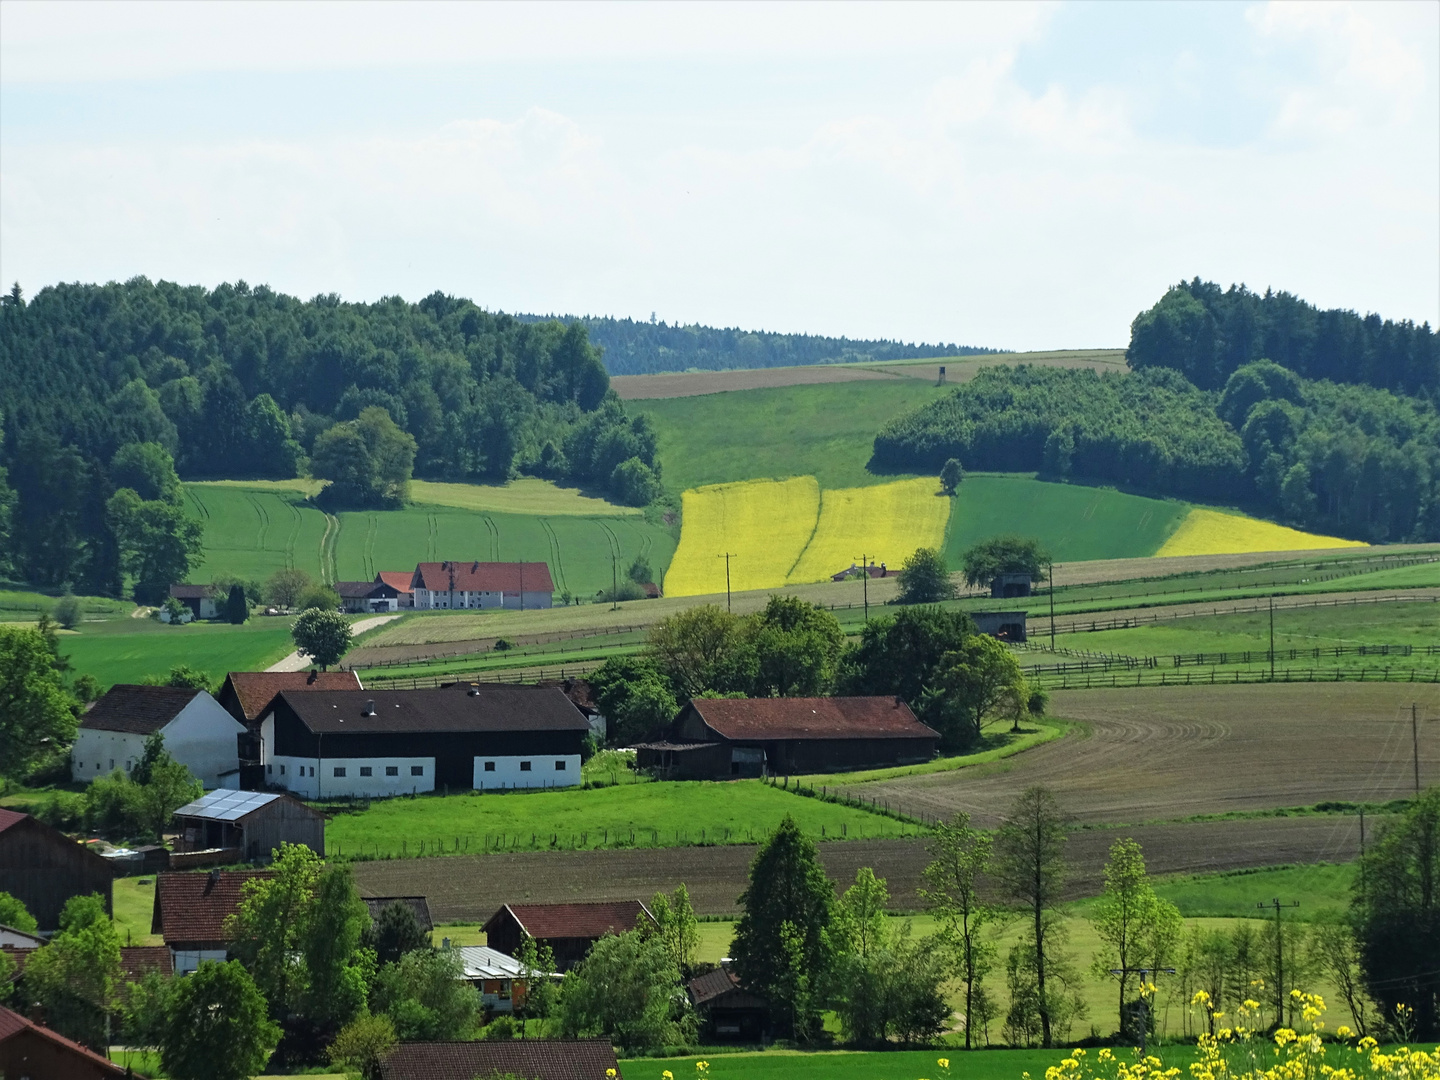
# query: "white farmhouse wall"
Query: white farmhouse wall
{"points": [[313, 778], [98, 753], [545, 771], [203, 739]]}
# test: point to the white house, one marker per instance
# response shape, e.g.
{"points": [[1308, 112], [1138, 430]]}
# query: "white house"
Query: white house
{"points": [[493, 973], [198, 732], [200, 599], [451, 585]]}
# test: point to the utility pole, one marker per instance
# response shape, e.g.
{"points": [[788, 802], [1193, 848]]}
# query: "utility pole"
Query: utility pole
{"points": [[727, 557], [1272, 639], [1052, 605], [1415, 743], [865, 583], [1362, 853], [1279, 956], [614, 581]]}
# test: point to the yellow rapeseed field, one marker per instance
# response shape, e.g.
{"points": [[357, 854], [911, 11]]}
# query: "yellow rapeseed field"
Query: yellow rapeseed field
{"points": [[765, 524], [886, 522], [1208, 532]]}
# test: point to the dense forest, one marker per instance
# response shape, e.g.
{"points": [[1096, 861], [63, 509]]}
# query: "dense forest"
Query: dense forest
{"points": [[247, 382], [639, 348], [1353, 460], [1207, 334]]}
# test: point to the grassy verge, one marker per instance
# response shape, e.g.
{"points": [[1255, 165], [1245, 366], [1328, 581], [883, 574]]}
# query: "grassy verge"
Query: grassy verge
{"points": [[997, 745], [134, 899]]}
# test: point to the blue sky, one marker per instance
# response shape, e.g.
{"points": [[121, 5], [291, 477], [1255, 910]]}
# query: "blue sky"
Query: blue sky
{"points": [[1025, 176]]}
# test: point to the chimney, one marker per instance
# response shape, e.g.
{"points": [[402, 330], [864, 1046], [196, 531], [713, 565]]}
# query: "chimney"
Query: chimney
{"points": [[369, 708], [474, 690], [214, 877]]}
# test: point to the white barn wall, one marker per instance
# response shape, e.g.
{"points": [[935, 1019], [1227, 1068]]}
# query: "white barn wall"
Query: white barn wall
{"points": [[325, 784], [97, 753], [542, 773], [203, 739]]}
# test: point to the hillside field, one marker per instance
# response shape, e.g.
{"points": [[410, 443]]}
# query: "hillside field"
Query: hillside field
{"points": [[127, 650]]}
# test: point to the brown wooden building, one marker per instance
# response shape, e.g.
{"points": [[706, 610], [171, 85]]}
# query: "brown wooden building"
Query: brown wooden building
{"points": [[251, 823], [727, 1011], [43, 868], [535, 1059], [723, 738], [569, 929], [31, 1051]]}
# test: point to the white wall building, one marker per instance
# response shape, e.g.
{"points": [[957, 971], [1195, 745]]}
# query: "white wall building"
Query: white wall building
{"points": [[460, 585], [198, 733]]}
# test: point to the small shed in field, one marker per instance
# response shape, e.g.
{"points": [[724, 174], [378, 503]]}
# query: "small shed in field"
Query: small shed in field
{"points": [[1007, 586], [1005, 625], [569, 929], [727, 1011], [253, 823], [42, 868]]}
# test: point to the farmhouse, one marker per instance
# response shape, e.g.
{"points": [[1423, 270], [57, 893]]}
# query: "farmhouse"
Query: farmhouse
{"points": [[42, 868], [495, 974], [717, 739], [870, 570], [199, 734], [373, 743], [450, 585], [727, 1011], [403, 582], [200, 599], [367, 597], [190, 912], [1005, 625], [252, 824], [569, 929], [30, 1050], [534, 1059], [246, 695]]}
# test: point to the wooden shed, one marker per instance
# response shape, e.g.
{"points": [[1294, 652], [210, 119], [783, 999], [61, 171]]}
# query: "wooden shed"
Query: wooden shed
{"points": [[1005, 625], [251, 823], [569, 929], [42, 868], [728, 1012]]}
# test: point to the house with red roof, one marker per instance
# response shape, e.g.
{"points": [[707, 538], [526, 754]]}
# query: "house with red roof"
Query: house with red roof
{"points": [[31, 1051], [569, 929], [42, 868], [452, 585], [190, 910], [721, 738], [403, 582], [535, 1059]]}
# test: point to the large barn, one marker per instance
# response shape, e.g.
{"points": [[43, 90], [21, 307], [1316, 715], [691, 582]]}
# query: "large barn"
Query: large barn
{"points": [[725, 738], [450, 585], [374, 743], [42, 868], [198, 732]]}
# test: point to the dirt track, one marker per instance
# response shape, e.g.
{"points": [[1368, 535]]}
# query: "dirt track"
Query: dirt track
{"points": [[469, 888], [1170, 752]]}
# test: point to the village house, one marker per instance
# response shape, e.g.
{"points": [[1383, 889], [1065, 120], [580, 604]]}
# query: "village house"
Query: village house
{"points": [[200, 599], [374, 743], [496, 975], [251, 824], [451, 585], [403, 582], [721, 738], [190, 910], [367, 597], [31, 1051], [727, 1011], [246, 695], [534, 1059], [199, 734], [42, 868], [569, 929]]}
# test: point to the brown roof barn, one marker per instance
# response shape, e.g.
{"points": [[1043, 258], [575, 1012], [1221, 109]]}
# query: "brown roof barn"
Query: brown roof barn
{"points": [[31, 1050], [42, 868], [251, 823], [729, 1012], [190, 909], [720, 738], [534, 1059], [137, 710], [569, 929], [246, 695]]}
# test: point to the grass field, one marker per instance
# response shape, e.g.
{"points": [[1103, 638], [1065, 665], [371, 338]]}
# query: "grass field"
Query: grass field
{"points": [[1209, 532], [127, 650], [134, 899], [22, 605], [526, 495], [630, 815]]}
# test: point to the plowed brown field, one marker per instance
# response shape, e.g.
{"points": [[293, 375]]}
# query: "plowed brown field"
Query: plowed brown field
{"points": [[468, 888], [1171, 752]]}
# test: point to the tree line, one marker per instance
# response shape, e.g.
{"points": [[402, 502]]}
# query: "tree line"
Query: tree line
{"points": [[1207, 334], [240, 382], [1351, 460], [632, 347]]}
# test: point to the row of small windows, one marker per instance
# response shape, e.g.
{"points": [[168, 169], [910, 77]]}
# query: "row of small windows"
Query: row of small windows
{"points": [[525, 766], [390, 770]]}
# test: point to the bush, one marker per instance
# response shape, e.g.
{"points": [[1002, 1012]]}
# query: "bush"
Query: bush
{"points": [[63, 810], [634, 483], [925, 578], [626, 590], [68, 612], [502, 1027], [318, 596]]}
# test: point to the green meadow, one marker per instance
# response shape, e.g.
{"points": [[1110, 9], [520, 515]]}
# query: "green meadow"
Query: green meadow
{"points": [[127, 650]]}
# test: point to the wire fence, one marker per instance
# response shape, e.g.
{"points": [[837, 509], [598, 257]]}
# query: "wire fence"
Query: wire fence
{"points": [[1093, 661], [1129, 622], [524, 675], [1098, 679]]}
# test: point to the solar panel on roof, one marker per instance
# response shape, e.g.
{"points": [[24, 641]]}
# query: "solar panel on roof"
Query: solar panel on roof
{"points": [[224, 804]]}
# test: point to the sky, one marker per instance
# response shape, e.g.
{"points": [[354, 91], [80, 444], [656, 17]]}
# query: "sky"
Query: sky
{"points": [[1023, 176]]}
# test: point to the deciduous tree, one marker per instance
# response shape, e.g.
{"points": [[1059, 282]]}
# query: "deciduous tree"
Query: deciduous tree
{"points": [[76, 976], [960, 854], [37, 712], [925, 578], [627, 990], [324, 636], [987, 560], [217, 1028], [974, 685]]}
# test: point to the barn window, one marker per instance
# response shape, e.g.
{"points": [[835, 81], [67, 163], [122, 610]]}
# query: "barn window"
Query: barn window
{"points": [[112, 763], [312, 770], [524, 766], [339, 770], [489, 766], [392, 770], [282, 770], [417, 770], [559, 766], [365, 770], [270, 770]]}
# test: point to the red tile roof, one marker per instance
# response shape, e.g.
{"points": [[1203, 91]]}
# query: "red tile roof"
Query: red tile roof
{"points": [[397, 579], [192, 907], [483, 576], [139, 710], [576, 920], [137, 961], [254, 690], [479, 707], [13, 1025], [534, 1059], [811, 718]]}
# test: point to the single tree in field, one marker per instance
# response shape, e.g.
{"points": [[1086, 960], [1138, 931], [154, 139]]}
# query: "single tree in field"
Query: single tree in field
{"points": [[217, 1028], [1133, 924], [284, 587], [781, 946], [68, 611], [961, 855], [1029, 865], [925, 578], [951, 476], [986, 561], [324, 636], [237, 608]]}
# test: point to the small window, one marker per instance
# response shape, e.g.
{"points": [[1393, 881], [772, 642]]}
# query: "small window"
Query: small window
{"points": [[282, 770], [365, 770], [489, 766], [559, 766], [312, 770], [392, 770], [339, 770], [270, 770], [524, 766], [417, 770], [112, 763]]}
